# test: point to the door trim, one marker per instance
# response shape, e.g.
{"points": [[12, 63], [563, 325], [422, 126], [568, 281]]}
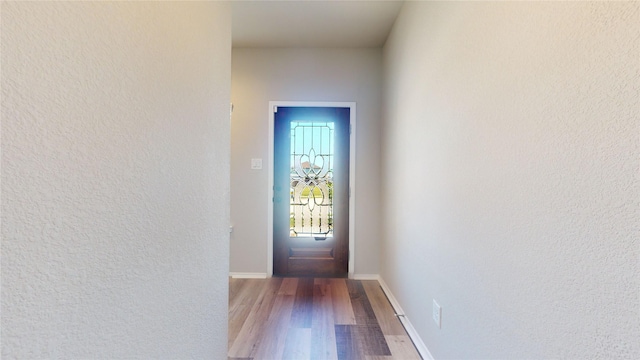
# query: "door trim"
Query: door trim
{"points": [[352, 177]]}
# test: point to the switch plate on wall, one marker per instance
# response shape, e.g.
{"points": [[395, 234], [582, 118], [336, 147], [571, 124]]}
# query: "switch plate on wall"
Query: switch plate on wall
{"points": [[256, 164], [437, 314]]}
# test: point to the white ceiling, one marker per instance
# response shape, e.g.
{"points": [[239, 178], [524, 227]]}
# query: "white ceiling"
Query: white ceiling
{"points": [[309, 23]]}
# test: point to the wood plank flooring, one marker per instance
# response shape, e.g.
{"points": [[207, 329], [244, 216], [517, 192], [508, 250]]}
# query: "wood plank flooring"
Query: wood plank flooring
{"points": [[306, 318]]}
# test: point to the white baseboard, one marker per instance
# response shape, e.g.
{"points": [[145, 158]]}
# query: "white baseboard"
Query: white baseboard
{"points": [[366, 277], [245, 275], [413, 334]]}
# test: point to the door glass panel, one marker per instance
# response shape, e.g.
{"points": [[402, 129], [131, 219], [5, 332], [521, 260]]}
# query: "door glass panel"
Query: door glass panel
{"points": [[311, 179]]}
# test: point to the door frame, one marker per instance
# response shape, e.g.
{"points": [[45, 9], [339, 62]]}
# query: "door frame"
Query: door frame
{"points": [[352, 157]]}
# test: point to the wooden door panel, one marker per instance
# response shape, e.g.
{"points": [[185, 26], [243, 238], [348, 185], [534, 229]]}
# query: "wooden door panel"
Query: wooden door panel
{"points": [[325, 253], [311, 191]]}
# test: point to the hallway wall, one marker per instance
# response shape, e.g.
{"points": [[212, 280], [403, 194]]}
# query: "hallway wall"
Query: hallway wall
{"points": [[263, 75], [115, 179], [510, 177]]}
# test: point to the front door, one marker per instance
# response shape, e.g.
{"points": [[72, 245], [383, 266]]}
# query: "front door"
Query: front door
{"points": [[311, 191]]}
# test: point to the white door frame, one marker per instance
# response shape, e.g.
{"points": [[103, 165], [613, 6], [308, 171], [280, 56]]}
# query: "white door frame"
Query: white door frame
{"points": [[352, 177]]}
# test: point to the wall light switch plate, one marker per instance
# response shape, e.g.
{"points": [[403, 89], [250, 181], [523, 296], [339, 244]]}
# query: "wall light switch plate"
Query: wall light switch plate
{"points": [[256, 164]]}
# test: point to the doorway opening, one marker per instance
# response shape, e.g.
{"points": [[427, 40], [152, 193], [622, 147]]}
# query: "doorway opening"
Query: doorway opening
{"points": [[311, 182]]}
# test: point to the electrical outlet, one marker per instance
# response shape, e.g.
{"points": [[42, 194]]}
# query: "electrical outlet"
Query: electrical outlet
{"points": [[437, 314]]}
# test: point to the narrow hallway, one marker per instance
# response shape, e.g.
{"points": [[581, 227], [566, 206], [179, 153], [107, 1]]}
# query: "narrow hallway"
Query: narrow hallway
{"points": [[307, 318]]}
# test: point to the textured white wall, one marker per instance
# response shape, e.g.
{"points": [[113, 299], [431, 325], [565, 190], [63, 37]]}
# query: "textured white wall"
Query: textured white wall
{"points": [[115, 179], [511, 189], [263, 75]]}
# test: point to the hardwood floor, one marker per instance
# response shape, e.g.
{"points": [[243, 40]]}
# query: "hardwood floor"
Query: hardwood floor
{"points": [[306, 318]]}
